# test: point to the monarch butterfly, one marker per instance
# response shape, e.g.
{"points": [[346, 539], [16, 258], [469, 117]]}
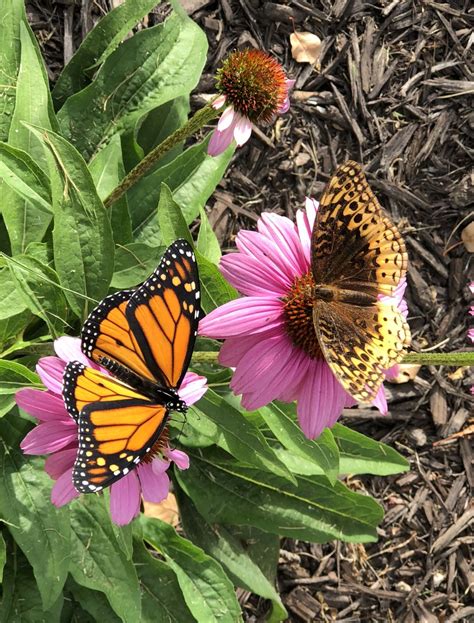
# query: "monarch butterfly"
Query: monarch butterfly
{"points": [[144, 338], [357, 257]]}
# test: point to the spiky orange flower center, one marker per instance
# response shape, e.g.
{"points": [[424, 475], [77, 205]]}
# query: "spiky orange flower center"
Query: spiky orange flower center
{"points": [[254, 83], [157, 449], [298, 312]]}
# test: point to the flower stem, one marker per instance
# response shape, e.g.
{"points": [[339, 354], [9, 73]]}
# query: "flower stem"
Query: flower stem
{"points": [[458, 359], [197, 121]]}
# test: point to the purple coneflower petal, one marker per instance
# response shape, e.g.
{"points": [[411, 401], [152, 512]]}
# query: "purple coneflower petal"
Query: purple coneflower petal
{"points": [[266, 251], [283, 233], [304, 223], [68, 349], [470, 334], [321, 399], [155, 486], [63, 490], [192, 388], [250, 276], [179, 458], [220, 141], [381, 401], [242, 129], [244, 316], [59, 462], [50, 371], [235, 348], [44, 406], [226, 120], [49, 437], [125, 499], [219, 102]]}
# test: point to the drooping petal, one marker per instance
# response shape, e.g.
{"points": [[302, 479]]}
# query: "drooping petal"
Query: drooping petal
{"points": [[59, 462], [304, 223], [242, 129], [50, 371], [321, 399], [381, 401], [219, 102], [63, 490], [220, 141], [155, 487], [42, 405], [286, 102], [243, 316], [250, 276], [179, 458], [49, 437], [125, 499], [226, 120], [192, 388]]}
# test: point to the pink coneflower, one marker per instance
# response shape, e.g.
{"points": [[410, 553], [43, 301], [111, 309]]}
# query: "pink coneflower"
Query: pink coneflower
{"points": [[271, 360], [255, 88], [56, 435]]}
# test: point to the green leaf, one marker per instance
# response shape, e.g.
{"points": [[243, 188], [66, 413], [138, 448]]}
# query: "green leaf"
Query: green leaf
{"points": [[82, 235], [97, 560], [170, 218], [241, 438], [145, 71], [98, 44], [3, 556], [232, 553], [192, 178], [362, 455], [26, 223], [312, 510], [215, 290], [38, 285], [21, 173], [161, 123], [107, 171], [322, 452], [94, 602], [134, 263], [41, 530], [15, 376], [13, 13], [11, 301], [162, 599], [21, 601], [207, 243], [207, 591]]}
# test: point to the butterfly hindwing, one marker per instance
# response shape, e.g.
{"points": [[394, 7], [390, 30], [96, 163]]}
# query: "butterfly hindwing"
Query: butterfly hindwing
{"points": [[354, 245], [360, 343], [117, 426], [163, 314]]}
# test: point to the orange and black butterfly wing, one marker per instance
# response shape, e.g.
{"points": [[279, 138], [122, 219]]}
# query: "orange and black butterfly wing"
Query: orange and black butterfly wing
{"points": [[117, 426], [354, 245], [107, 333], [163, 314]]}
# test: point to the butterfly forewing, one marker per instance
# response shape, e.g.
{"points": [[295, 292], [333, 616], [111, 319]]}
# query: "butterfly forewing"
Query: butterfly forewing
{"points": [[354, 245], [116, 426], [107, 333], [164, 314]]}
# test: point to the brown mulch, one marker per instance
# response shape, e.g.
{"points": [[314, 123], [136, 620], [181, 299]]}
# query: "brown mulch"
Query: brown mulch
{"points": [[393, 91]]}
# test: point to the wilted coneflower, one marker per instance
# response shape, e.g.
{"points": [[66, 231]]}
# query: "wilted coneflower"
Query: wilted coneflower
{"points": [[56, 434], [255, 89], [274, 355]]}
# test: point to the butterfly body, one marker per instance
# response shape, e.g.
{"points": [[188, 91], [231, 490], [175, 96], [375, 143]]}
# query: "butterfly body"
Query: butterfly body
{"points": [[358, 260], [144, 338]]}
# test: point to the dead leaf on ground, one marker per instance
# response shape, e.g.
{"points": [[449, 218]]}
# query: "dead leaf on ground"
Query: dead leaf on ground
{"points": [[305, 47], [166, 511], [467, 236]]}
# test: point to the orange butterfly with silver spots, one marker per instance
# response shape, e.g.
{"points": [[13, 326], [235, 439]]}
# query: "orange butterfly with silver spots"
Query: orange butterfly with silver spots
{"points": [[144, 338]]}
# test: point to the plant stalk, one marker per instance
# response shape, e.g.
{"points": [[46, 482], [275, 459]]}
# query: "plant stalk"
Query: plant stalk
{"points": [[197, 121]]}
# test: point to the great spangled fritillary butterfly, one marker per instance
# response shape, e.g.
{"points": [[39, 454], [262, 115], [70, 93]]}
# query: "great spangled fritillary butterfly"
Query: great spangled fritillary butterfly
{"points": [[357, 257]]}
